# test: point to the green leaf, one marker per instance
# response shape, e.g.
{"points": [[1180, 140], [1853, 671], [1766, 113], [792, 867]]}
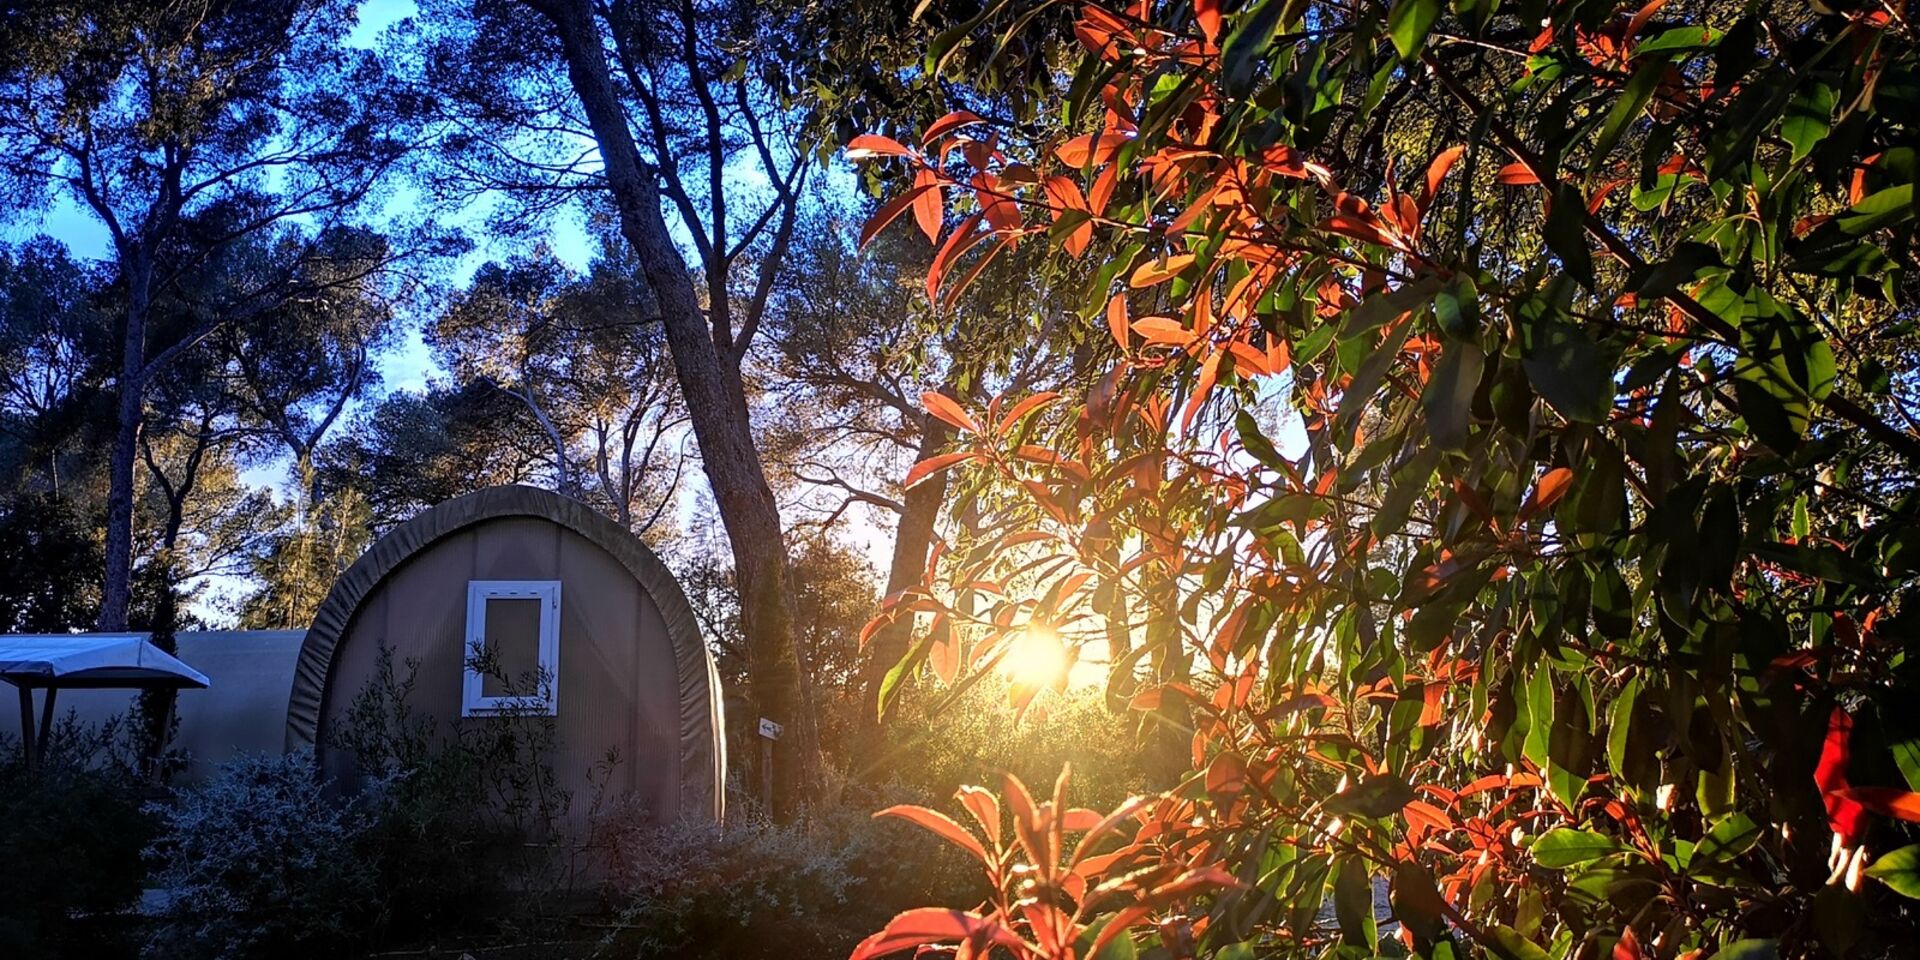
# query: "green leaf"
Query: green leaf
{"points": [[1809, 114], [1565, 847], [1785, 366], [1121, 947], [1257, 443], [1449, 395], [1569, 746], [1379, 795], [1243, 48], [1839, 917], [1819, 560], [1353, 903], [1366, 380], [1679, 39], [1632, 100], [1899, 870], [1408, 23], [1882, 208], [1457, 308], [1409, 482], [1730, 837], [1573, 373], [1566, 235], [1749, 950], [1508, 943], [1620, 725]]}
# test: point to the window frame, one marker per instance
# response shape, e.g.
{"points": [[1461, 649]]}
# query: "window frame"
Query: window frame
{"points": [[473, 702]]}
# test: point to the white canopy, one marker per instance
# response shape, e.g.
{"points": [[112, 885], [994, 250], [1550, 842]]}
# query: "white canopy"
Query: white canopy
{"points": [[91, 660]]}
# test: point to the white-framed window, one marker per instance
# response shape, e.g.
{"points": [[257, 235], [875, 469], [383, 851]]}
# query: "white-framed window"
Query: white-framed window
{"points": [[512, 663]]}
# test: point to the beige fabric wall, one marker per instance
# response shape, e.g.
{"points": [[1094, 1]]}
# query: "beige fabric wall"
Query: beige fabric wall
{"points": [[617, 687]]}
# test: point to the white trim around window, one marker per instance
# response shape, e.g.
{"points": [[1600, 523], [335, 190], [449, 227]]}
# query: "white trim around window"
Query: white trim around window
{"points": [[473, 701]]}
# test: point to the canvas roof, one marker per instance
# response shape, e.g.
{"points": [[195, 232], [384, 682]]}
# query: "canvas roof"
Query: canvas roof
{"points": [[91, 660]]}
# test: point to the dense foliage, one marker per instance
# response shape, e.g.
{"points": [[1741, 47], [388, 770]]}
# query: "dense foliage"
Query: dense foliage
{"points": [[1505, 456], [71, 832]]}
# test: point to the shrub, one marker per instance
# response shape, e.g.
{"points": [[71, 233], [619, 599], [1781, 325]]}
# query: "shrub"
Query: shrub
{"points": [[754, 888], [462, 814], [71, 833], [260, 862]]}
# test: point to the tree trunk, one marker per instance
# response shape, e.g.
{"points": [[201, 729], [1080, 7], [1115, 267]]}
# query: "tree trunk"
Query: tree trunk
{"points": [[129, 413], [716, 401], [912, 539]]}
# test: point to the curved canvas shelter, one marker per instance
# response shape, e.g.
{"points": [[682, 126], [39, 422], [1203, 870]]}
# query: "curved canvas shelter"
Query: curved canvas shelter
{"points": [[544, 587]]}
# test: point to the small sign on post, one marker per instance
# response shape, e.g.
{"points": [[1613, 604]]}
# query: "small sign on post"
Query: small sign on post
{"points": [[769, 732]]}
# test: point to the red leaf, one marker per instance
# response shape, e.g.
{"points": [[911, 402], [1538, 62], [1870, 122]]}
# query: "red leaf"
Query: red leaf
{"points": [[926, 203], [944, 407], [892, 209], [1437, 172], [1163, 330], [1209, 374], [1885, 801], [1627, 947], [1000, 211], [1079, 150], [1639, 21], [932, 465], [1117, 319], [1207, 14], [1226, 776], [985, 808], [1367, 229], [1420, 811], [874, 626], [1026, 406], [1063, 195], [874, 145], [925, 925], [1517, 175], [979, 266], [1552, 486], [951, 122], [960, 241], [1845, 814], [938, 823], [1160, 271]]}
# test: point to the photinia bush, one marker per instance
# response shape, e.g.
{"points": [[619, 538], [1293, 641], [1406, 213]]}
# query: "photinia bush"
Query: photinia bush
{"points": [[1501, 485]]}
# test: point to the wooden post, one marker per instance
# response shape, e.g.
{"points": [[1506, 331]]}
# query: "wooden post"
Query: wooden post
{"points": [[766, 774], [46, 723], [26, 726], [769, 732]]}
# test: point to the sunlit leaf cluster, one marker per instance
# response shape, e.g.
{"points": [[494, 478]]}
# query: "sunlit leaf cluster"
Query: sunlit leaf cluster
{"points": [[1500, 487]]}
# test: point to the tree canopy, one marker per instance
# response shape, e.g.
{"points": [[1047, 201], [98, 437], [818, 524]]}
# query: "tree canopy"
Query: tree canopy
{"points": [[1579, 609]]}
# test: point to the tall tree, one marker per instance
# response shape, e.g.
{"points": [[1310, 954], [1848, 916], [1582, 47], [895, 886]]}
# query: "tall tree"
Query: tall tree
{"points": [[583, 356], [675, 98], [293, 369], [412, 450], [143, 114]]}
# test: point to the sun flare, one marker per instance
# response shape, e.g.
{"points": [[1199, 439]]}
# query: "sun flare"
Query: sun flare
{"points": [[1037, 658]]}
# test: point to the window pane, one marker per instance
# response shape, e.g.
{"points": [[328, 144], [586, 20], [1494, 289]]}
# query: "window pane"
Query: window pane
{"points": [[513, 648]]}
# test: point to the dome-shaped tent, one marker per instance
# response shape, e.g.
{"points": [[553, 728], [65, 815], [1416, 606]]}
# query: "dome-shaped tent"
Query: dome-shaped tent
{"points": [[536, 580]]}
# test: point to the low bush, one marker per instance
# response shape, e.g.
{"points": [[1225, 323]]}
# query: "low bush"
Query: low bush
{"points": [[752, 888], [261, 862], [71, 832]]}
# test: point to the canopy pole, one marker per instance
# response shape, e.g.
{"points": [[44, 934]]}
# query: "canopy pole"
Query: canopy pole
{"points": [[46, 722], [26, 726]]}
